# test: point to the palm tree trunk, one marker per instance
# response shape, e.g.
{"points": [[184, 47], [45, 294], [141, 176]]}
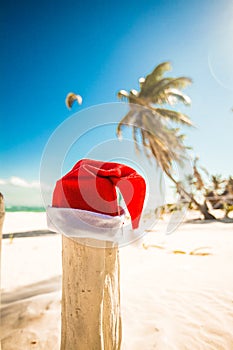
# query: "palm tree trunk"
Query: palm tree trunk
{"points": [[205, 211], [203, 208], [90, 296]]}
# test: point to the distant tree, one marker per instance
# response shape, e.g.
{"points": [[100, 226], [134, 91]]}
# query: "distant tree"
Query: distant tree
{"points": [[216, 192], [228, 193], [221, 196], [149, 123]]}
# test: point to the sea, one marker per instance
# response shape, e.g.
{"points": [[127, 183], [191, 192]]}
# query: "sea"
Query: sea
{"points": [[16, 208]]}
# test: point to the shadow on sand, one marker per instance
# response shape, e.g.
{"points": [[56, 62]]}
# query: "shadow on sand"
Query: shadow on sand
{"points": [[28, 234], [201, 221]]}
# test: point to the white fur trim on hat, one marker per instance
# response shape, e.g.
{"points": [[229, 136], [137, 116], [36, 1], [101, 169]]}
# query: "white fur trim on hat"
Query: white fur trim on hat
{"points": [[85, 224]]}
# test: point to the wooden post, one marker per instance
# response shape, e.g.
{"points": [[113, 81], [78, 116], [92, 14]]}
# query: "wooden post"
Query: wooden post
{"points": [[91, 318], [2, 215]]}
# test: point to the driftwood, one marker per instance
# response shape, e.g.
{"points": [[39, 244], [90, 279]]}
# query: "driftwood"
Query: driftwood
{"points": [[90, 296]]}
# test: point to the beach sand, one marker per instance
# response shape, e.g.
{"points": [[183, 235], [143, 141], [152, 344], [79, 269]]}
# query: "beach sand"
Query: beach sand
{"points": [[176, 290]]}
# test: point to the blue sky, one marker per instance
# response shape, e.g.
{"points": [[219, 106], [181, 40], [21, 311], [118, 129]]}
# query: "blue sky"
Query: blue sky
{"points": [[49, 48]]}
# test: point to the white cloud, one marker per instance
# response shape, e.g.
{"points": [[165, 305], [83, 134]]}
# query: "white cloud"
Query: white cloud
{"points": [[19, 191], [19, 182]]}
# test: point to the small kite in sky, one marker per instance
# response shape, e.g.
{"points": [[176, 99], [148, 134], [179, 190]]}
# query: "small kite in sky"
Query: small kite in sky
{"points": [[71, 98]]}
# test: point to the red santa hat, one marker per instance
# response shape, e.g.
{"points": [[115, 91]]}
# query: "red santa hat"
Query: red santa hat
{"points": [[88, 193]]}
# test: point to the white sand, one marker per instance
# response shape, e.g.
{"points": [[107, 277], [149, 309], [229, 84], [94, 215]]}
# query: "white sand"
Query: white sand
{"points": [[170, 299], [24, 221]]}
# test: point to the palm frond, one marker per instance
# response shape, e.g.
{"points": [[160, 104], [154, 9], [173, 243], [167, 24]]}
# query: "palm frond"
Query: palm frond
{"points": [[205, 170], [164, 142], [122, 94], [155, 75], [156, 127], [199, 182], [177, 117], [162, 157], [145, 143], [141, 81], [135, 137], [134, 92], [148, 92], [168, 83], [126, 121], [174, 95]]}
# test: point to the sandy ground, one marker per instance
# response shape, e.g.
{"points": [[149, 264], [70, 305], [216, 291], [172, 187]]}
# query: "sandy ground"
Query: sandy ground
{"points": [[176, 290], [24, 221]]}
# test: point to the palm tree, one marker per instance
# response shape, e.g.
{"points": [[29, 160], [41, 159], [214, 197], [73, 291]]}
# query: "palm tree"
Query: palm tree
{"points": [[149, 122]]}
